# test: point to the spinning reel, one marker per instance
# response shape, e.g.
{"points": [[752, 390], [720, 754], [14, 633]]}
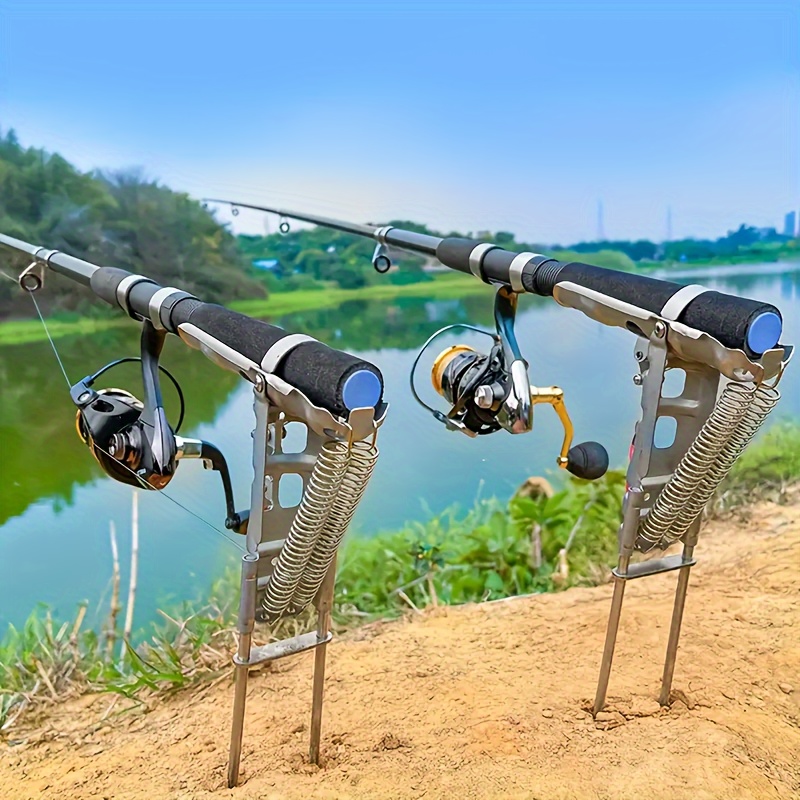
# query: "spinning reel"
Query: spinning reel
{"points": [[132, 440], [492, 391]]}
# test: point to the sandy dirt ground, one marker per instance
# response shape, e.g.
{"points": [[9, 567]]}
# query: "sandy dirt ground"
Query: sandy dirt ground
{"points": [[486, 701]]}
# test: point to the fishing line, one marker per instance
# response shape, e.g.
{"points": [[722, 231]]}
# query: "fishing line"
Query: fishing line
{"points": [[50, 339], [188, 510]]}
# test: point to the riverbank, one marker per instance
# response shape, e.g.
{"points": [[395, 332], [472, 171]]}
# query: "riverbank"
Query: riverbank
{"points": [[539, 542], [483, 701], [442, 286]]}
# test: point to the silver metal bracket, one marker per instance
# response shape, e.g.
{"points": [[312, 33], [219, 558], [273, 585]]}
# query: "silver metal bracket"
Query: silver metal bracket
{"points": [[653, 566], [278, 406], [708, 368], [684, 342]]}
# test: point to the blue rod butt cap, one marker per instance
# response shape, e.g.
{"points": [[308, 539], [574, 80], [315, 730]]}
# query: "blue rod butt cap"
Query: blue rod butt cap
{"points": [[362, 390], [764, 332]]}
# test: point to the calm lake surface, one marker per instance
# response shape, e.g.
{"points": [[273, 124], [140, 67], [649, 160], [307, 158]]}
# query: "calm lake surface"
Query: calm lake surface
{"points": [[55, 505]]}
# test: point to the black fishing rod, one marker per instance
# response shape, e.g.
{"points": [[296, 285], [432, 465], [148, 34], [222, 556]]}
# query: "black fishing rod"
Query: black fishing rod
{"points": [[131, 438], [735, 322], [487, 392]]}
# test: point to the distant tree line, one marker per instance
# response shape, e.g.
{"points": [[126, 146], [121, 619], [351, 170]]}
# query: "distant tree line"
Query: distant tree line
{"points": [[317, 257], [121, 219], [746, 242]]}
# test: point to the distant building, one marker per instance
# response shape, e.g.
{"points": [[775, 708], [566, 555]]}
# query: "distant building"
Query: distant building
{"points": [[790, 224], [271, 265]]}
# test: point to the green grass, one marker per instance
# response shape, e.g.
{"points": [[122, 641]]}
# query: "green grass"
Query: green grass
{"points": [[443, 286], [31, 330], [765, 470], [493, 550]]}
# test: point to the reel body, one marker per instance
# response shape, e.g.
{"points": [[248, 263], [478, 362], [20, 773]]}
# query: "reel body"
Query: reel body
{"points": [[132, 440], [108, 423], [491, 391]]}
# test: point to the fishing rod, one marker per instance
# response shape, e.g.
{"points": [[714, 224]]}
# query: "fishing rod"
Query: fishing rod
{"points": [[725, 348], [493, 391], [735, 321], [487, 392], [290, 554], [131, 439]]}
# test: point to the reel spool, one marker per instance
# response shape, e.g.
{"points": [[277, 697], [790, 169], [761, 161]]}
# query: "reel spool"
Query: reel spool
{"points": [[473, 383]]}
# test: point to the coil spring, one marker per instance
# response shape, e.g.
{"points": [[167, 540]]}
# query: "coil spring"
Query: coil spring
{"points": [[336, 486], [312, 513], [735, 420], [363, 456]]}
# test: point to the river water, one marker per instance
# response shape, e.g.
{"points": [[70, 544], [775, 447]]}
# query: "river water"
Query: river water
{"points": [[56, 505]]}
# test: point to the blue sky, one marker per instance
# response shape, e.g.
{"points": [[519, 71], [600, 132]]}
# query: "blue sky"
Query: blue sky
{"points": [[467, 116]]}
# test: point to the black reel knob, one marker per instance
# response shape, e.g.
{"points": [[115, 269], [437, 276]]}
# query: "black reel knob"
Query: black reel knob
{"points": [[588, 460]]}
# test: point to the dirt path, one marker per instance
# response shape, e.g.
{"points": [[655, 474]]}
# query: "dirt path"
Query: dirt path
{"points": [[489, 702]]}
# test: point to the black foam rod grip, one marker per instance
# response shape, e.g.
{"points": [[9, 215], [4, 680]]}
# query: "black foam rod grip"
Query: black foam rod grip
{"points": [[454, 252], [736, 322], [329, 378]]}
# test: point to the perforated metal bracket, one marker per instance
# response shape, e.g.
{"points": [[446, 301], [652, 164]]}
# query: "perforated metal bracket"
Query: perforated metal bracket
{"points": [[663, 344], [277, 405]]}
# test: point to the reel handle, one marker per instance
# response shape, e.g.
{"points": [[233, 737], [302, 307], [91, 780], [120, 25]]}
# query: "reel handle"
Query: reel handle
{"points": [[212, 458], [588, 460]]}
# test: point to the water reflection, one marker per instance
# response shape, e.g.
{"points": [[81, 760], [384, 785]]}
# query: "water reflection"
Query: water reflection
{"points": [[55, 504]]}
